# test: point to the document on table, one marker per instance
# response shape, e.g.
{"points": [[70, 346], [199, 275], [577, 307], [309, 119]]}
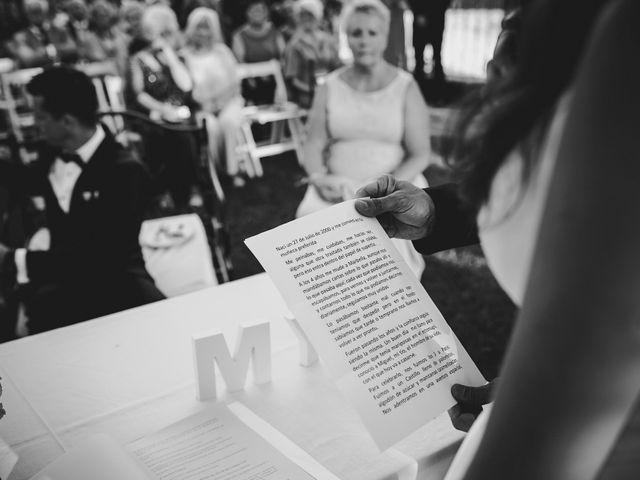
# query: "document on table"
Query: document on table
{"points": [[377, 330], [8, 459], [221, 443]]}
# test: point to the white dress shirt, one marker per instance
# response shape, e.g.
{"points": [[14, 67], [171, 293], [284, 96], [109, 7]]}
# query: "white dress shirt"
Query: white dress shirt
{"points": [[63, 177]]}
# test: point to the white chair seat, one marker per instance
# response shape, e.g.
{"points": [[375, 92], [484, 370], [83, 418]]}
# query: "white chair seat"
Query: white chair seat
{"points": [[182, 265]]}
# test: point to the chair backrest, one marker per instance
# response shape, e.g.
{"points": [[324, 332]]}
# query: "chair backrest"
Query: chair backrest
{"points": [[17, 105], [109, 89], [270, 68], [7, 65], [177, 255]]}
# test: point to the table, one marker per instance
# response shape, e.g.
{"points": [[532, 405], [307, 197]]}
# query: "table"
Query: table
{"points": [[131, 373]]}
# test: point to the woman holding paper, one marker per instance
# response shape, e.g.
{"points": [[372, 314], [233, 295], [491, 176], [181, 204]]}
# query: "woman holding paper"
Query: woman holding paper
{"points": [[555, 184], [367, 119]]}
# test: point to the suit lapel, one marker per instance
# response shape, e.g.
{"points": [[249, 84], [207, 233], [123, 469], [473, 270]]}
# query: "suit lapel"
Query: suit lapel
{"points": [[87, 188], [46, 157]]}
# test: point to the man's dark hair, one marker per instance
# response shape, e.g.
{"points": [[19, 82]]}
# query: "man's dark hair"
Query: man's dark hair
{"points": [[66, 92]]}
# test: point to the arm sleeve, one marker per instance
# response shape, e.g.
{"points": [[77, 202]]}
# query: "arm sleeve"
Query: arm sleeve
{"points": [[454, 226], [19, 178]]}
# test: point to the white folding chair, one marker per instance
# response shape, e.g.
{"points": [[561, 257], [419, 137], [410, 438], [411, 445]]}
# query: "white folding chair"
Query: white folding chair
{"points": [[280, 113], [16, 104], [110, 91], [177, 254]]}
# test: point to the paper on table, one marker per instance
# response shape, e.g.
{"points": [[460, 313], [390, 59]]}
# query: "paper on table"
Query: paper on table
{"points": [[100, 457], [292, 451], [8, 459], [221, 442], [375, 327], [214, 444]]}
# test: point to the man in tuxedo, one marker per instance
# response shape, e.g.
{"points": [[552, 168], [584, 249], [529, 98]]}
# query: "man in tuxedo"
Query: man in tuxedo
{"points": [[94, 194]]}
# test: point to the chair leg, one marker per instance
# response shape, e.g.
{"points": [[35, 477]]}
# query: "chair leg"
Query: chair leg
{"points": [[296, 128], [242, 153], [277, 132], [252, 150], [215, 180], [221, 253]]}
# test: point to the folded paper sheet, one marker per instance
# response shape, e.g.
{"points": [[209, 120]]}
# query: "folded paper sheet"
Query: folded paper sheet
{"points": [[375, 327], [221, 442]]}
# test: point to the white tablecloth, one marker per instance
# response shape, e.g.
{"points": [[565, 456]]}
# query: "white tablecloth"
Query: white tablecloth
{"points": [[131, 373]]}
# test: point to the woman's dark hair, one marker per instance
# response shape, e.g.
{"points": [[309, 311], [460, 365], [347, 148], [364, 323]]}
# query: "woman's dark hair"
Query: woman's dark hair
{"points": [[66, 92], [501, 116]]}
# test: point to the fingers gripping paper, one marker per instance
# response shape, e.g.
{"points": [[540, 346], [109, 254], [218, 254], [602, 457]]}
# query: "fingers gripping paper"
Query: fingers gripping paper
{"points": [[376, 329]]}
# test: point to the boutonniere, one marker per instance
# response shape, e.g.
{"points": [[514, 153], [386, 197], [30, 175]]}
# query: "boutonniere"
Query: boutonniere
{"points": [[38, 203], [90, 195]]}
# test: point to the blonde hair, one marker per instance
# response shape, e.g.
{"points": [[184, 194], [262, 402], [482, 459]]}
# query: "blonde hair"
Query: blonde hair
{"points": [[43, 4], [314, 7], [155, 18], [370, 7], [198, 15]]}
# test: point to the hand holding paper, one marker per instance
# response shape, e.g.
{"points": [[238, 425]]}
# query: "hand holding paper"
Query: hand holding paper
{"points": [[371, 321], [404, 210]]}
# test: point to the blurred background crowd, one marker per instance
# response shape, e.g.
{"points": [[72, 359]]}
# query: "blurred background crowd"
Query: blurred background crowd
{"points": [[185, 68]]}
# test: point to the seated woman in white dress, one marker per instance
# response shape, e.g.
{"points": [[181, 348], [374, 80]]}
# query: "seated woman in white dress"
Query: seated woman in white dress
{"points": [[367, 119], [216, 85]]}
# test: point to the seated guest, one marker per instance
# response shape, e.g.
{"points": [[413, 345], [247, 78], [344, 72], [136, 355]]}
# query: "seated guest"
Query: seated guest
{"points": [[311, 53], [160, 78], [216, 86], [94, 195], [131, 24], [105, 41], [43, 42], [257, 41], [367, 120], [162, 87], [78, 24]]}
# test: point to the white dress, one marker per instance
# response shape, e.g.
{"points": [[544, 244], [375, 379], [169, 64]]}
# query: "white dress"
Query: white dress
{"points": [[214, 74], [508, 228], [365, 131]]}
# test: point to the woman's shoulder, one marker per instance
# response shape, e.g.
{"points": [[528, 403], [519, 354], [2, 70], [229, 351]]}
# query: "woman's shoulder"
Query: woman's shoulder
{"points": [[268, 31], [337, 76], [223, 50], [390, 78], [401, 76]]}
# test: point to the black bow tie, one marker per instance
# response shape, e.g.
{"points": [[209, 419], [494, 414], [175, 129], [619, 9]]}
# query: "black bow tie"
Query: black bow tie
{"points": [[72, 157]]}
